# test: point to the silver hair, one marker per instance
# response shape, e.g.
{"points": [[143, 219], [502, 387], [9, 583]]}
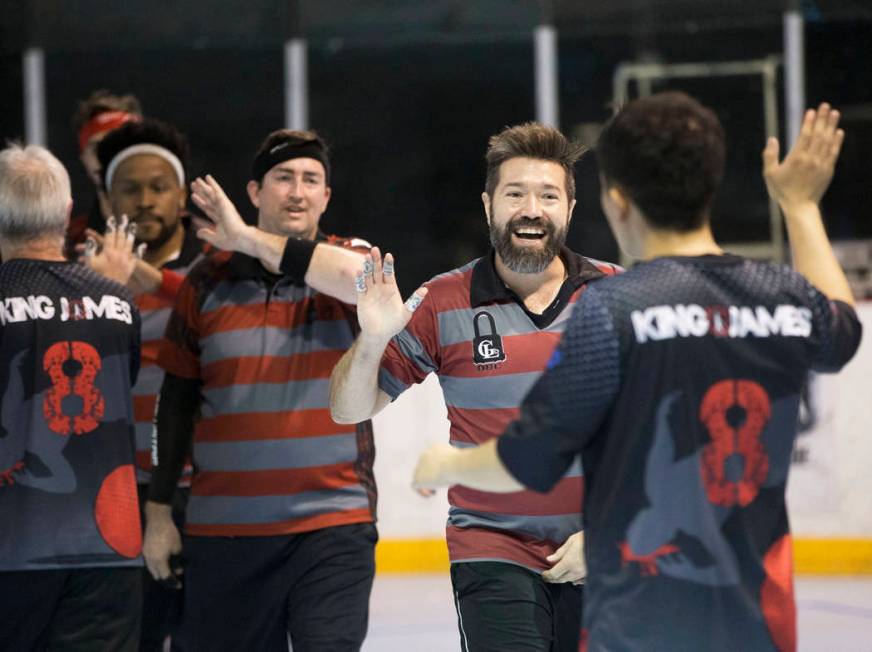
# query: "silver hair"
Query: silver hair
{"points": [[35, 195]]}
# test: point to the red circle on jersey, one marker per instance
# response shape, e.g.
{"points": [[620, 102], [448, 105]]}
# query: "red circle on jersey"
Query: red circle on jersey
{"points": [[117, 512]]}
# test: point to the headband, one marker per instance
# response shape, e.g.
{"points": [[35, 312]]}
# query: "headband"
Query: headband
{"points": [[267, 160], [144, 148], [101, 123]]}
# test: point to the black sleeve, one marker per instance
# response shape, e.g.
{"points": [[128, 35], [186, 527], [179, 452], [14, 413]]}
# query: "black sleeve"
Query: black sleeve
{"points": [[296, 258], [177, 406], [837, 332], [569, 402]]}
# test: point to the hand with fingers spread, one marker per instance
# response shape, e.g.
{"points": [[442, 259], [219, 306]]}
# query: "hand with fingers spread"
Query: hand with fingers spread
{"points": [[227, 230], [380, 308], [805, 173], [113, 255], [568, 560]]}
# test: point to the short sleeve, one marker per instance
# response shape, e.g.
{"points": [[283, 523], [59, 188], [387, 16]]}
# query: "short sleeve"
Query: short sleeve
{"points": [[413, 353], [569, 402], [836, 332]]}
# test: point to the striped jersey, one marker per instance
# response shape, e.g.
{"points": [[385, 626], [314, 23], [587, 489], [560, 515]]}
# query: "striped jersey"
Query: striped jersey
{"points": [[487, 350], [268, 459], [155, 311]]}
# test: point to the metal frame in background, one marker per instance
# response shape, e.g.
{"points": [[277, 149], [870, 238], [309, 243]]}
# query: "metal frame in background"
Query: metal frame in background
{"points": [[646, 73]]}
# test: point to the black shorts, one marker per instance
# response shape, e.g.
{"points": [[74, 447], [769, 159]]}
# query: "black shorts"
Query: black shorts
{"points": [[251, 593], [503, 607], [74, 610]]}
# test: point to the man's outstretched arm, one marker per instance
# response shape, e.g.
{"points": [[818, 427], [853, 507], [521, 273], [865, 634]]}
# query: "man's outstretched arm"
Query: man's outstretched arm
{"points": [[354, 392], [326, 268], [798, 183]]}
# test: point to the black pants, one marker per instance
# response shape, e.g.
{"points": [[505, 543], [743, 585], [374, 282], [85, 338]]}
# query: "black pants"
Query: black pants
{"points": [[250, 593], [502, 607], [161, 605], [75, 610]]}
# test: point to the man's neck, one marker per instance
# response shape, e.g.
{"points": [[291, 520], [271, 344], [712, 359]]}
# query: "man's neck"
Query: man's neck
{"points": [[700, 242], [168, 250], [49, 248], [537, 291]]}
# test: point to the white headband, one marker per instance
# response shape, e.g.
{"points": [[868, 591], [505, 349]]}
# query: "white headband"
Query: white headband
{"points": [[144, 148]]}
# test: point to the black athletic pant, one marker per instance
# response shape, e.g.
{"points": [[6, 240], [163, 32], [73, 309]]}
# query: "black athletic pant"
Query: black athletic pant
{"points": [[161, 605], [502, 607], [250, 593], [71, 610]]}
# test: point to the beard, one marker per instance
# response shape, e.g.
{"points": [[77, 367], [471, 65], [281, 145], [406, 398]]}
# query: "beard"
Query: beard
{"points": [[527, 260]]}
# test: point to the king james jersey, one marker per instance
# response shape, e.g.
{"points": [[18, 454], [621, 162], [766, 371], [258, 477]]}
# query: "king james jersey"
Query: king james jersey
{"points": [[268, 459], [487, 351], [69, 354], [679, 383]]}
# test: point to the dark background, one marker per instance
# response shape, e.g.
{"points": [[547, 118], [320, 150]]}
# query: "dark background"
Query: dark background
{"points": [[407, 93]]}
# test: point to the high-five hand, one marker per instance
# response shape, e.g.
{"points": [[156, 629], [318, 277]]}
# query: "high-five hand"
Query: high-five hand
{"points": [[381, 311], [806, 171], [227, 230]]}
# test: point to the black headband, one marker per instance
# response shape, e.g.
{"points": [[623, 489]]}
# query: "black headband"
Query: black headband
{"points": [[267, 160]]}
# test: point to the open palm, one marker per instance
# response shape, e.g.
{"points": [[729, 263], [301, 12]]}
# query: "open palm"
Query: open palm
{"points": [[227, 226], [381, 311]]}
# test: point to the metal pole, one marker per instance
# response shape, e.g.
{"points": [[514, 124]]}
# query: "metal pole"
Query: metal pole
{"points": [[33, 68], [770, 115], [296, 84], [547, 95], [794, 73]]}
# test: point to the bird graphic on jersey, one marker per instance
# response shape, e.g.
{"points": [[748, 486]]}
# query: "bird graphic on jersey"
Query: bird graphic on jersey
{"points": [[683, 539]]}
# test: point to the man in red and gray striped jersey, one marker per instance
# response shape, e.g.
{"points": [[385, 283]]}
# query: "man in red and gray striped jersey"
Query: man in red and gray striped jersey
{"points": [[487, 329], [143, 165], [280, 535]]}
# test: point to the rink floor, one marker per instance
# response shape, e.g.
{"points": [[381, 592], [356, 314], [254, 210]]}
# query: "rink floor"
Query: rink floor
{"points": [[416, 612]]}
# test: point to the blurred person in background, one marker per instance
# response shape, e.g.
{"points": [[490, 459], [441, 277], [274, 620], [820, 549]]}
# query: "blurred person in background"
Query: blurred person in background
{"points": [[143, 170], [487, 330], [95, 117], [70, 563], [679, 384], [280, 533]]}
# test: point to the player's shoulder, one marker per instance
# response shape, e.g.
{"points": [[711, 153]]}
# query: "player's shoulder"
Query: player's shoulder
{"points": [[457, 280], [348, 242]]}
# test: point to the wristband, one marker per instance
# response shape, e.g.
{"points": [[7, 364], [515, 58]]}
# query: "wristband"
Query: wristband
{"points": [[296, 258]]}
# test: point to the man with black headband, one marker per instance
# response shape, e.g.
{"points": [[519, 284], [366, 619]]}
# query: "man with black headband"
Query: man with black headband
{"points": [[279, 533], [487, 330], [143, 167]]}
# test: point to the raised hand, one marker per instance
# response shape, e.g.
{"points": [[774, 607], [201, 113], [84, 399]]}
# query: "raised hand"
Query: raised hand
{"points": [[805, 173], [227, 230], [112, 254], [380, 308]]}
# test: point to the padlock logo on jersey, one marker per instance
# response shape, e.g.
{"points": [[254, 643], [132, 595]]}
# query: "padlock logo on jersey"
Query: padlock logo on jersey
{"points": [[487, 348]]}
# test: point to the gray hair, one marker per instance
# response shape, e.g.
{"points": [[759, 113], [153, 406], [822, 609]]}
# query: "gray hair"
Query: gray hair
{"points": [[35, 194]]}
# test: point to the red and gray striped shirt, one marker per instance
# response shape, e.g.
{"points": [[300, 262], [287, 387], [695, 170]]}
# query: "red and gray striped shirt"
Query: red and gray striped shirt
{"points": [[268, 459], [155, 311], [488, 350]]}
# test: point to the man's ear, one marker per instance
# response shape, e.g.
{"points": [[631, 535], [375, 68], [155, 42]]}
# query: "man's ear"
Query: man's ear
{"points": [[571, 208], [620, 200], [253, 188], [486, 200]]}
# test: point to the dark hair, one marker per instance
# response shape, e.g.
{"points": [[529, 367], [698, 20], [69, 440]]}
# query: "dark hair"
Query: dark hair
{"points": [[151, 131], [666, 152], [303, 142], [102, 101], [531, 140]]}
